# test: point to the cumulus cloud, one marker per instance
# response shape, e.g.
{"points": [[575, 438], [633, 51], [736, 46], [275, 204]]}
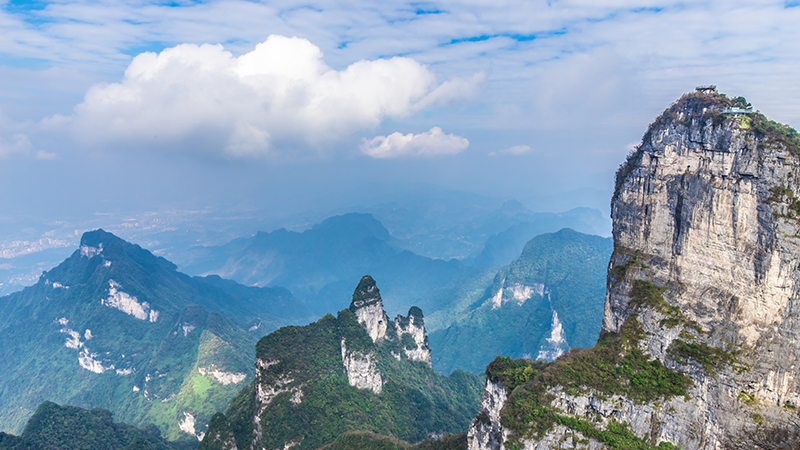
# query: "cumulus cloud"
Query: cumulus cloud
{"points": [[280, 95], [515, 150], [433, 142]]}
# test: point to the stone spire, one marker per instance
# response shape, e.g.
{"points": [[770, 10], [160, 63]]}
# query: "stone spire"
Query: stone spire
{"points": [[368, 308], [415, 326]]}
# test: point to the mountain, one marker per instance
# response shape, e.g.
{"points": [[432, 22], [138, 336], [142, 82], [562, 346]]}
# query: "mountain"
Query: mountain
{"points": [[71, 428], [502, 248], [408, 279], [358, 371], [116, 327], [337, 248], [451, 224], [547, 300], [319, 264], [698, 348]]}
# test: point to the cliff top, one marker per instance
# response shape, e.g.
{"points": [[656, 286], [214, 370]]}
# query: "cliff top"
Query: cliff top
{"points": [[366, 293], [706, 109]]}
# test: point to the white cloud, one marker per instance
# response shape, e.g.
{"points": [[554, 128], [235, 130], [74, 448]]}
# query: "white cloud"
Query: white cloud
{"points": [[430, 143], [515, 150], [45, 156], [281, 95], [14, 145]]}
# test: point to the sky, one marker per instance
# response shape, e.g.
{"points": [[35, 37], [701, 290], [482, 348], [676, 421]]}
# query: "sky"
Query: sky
{"points": [[289, 105]]}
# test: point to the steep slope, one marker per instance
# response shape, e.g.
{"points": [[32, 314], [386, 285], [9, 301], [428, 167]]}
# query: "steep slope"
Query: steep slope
{"points": [[359, 371], [71, 428], [116, 327], [699, 332], [546, 301]]}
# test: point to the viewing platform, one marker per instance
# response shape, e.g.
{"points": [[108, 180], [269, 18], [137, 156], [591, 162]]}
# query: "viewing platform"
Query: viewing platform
{"points": [[736, 111]]}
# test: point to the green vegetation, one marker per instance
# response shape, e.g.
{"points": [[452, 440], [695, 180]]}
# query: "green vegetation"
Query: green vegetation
{"points": [[615, 366], [364, 440], [616, 436], [71, 428], [705, 106], [625, 169], [709, 357], [513, 372], [150, 368], [571, 266], [747, 399], [774, 133], [366, 293], [619, 271], [644, 293], [314, 403], [780, 194]]}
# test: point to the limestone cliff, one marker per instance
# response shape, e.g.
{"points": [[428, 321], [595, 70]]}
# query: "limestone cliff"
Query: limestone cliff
{"points": [[362, 370], [353, 372], [699, 341], [367, 305], [416, 349]]}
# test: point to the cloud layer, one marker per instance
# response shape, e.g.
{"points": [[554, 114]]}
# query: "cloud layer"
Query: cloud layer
{"points": [[433, 142], [277, 97]]}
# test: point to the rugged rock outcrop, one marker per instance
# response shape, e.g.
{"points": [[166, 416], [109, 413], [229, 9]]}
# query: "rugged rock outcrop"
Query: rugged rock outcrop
{"points": [[353, 372], [416, 349], [487, 431], [701, 308], [362, 370], [368, 308]]}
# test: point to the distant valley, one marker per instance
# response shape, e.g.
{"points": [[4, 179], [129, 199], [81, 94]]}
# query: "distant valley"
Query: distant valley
{"points": [[116, 327]]}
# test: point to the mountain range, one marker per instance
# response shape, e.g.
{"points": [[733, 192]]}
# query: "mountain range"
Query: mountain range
{"points": [[116, 327], [319, 264]]}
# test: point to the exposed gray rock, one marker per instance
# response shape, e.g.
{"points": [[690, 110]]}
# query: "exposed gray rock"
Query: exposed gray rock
{"points": [[706, 209], [486, 430], [415, 326], [367, 305], [362, 370]]}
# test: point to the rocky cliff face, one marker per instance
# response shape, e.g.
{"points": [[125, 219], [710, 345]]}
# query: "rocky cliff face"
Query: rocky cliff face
{"points": [[415, 349], [702, 284], [368, 308], [353, 372], [362, 370]]}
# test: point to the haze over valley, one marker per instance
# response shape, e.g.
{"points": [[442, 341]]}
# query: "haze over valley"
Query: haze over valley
{"points": [[230, 225]]}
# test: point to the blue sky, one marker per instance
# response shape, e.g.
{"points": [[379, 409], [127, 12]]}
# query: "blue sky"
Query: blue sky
{"points": [[195, 101]]}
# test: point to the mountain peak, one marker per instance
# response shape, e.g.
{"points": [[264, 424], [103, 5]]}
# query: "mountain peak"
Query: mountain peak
{"points": [[368, 308], [699, 319], [512, 207], [366, 293], [100, 238]]}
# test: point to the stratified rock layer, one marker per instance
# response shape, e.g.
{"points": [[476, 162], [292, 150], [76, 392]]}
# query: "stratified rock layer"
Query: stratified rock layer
{"points": [[706, 236]]}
